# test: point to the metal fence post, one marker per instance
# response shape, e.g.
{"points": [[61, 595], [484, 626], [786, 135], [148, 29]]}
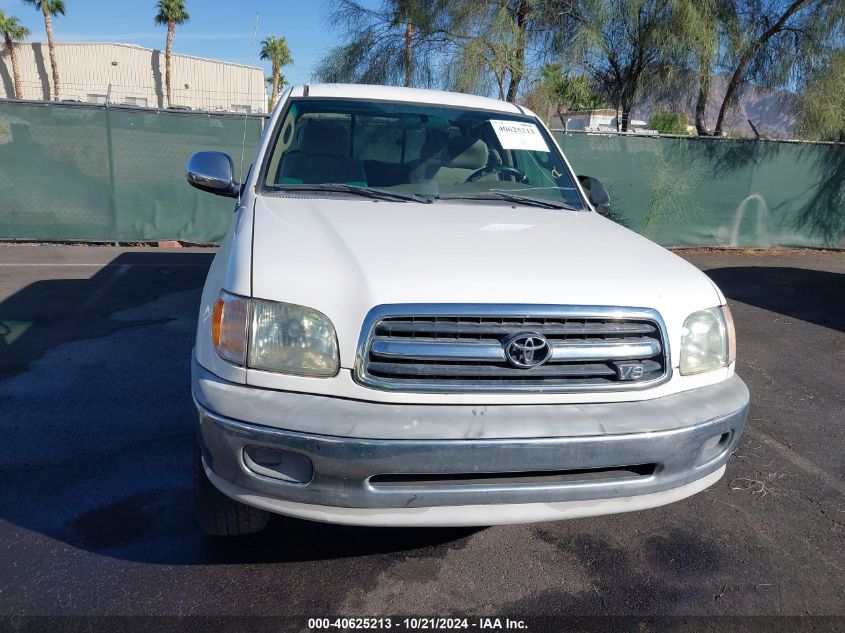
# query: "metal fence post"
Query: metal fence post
{"points": [[110, 154]]}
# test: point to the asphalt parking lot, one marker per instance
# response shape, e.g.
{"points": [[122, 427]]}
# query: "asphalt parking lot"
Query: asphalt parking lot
{"points": [[95, 472]]}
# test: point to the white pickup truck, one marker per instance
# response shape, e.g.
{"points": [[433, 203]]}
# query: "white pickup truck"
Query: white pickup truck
{"points": [[420, 317]]}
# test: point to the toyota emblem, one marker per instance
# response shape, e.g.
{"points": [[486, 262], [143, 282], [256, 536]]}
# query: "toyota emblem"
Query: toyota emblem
{"points": [[526, 350]]}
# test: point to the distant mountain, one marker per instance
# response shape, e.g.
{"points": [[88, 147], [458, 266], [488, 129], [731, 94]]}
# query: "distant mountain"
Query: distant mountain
{"points": [[770, 110]]}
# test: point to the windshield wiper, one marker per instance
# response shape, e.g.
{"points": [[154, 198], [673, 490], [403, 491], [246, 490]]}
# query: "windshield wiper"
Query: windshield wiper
{"points": [[366, 192], [512, 197]]}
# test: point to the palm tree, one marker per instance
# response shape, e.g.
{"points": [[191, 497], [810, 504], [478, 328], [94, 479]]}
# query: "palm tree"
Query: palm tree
{"points": [[269, 81], [170, 13], [276, 51], [13, 31], [49, 8], [412, 14]]}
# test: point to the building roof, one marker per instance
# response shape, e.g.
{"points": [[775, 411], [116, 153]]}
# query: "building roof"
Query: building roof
{"points": [[600, 111], [411, 95]]}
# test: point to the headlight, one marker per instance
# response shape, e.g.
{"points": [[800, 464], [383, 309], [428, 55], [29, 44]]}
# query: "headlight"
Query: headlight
{"points": [[292, 339], [707, 341], [281, 337]]}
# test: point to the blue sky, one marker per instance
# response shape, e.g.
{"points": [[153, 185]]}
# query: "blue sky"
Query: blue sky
{"points": [[218, 29]]}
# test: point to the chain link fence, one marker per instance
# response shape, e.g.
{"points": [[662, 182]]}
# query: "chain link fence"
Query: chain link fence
{"points": [[185, 97], [694, 191], [80, 172], [97, 173]]}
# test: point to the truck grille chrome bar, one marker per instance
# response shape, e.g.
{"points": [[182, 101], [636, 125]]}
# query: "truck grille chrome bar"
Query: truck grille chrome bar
{"points": [[437, 351], [503, 348], [616, 349]]}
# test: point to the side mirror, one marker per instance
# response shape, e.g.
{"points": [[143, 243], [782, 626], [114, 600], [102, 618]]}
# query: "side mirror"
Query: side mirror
{"points": [[596, 193], [213, 172]]}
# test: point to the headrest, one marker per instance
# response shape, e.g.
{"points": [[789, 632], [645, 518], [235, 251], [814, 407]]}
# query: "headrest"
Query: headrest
{"points": [[467, 152], [324, 137], [435, 141]]}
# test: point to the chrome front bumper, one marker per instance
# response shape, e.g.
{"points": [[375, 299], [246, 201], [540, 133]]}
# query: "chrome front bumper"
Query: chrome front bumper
{"points": [[694, 444]]}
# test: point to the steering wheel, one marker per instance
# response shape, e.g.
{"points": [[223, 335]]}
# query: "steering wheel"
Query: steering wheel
{"points": [[518, 175]]}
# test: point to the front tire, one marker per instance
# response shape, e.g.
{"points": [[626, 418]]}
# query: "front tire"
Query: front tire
{"points": [[219, 515]]}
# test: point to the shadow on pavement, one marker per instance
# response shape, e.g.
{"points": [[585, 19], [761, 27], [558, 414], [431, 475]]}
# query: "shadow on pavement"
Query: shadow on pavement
{"points": [[96, 435], [814, 296], [50, 312]]}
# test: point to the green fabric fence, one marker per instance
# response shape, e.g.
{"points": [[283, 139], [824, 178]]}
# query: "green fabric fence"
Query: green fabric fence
{"points": [[78, 172], [718, 192], [83, 172]]}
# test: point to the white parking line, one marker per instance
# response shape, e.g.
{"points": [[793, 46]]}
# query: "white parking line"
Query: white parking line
{"points": [[46, 265], [791, 456]]}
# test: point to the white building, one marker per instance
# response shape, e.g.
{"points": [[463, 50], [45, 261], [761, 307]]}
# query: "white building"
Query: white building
{"points": [[132, 75], [599, 121], [590, 120]]}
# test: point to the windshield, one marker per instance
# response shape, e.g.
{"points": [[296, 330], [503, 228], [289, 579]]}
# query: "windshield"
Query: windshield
{"points": [[415, 152]]}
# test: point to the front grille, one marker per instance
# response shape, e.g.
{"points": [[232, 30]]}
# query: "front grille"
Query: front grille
{"points": [[471, 348]]}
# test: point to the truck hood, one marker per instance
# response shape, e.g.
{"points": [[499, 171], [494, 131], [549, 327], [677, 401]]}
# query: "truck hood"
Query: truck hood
{"points": [[342, 257]]}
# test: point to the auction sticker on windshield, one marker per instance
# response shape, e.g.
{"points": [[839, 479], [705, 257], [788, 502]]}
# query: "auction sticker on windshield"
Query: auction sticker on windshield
{"points": [[519, 135]]}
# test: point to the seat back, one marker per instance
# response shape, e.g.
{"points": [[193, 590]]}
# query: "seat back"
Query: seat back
{"points": [[322, 157], [464, 156]]}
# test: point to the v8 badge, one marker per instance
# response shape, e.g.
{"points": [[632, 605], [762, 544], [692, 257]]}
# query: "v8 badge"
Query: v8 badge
{"points": [[629, 371]]}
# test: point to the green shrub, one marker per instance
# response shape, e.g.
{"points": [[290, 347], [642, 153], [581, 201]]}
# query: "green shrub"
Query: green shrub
{"points": [[669, 123]]}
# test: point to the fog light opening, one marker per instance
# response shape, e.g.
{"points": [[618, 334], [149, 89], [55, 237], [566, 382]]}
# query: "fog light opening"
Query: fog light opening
{"points": [[714, 446], [278, 464]]}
